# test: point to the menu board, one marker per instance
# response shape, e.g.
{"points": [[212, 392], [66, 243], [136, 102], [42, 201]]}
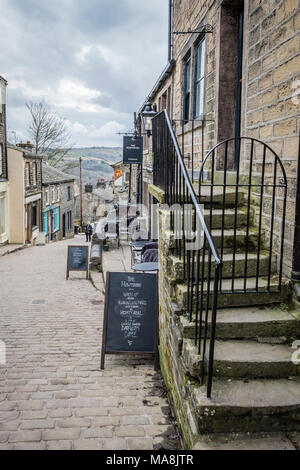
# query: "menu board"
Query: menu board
{"points": [[131, 313], [77, 259]]}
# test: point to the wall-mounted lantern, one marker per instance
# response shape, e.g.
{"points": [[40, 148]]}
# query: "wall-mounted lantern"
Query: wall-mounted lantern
{"points": [[147, 115]]}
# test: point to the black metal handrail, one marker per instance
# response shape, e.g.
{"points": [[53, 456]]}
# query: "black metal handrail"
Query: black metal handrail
{"points": [[170, 173], [256, 178]]}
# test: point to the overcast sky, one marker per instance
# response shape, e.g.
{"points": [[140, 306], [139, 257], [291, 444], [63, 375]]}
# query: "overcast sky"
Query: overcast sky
{"points": [[93, 61]]}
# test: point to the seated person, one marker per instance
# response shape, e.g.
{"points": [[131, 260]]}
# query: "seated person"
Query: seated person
{"points": [[131, 218]]}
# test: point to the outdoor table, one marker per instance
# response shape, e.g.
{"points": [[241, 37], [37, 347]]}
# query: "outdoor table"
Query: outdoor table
{"points": [[145, 267], [138, 244]]}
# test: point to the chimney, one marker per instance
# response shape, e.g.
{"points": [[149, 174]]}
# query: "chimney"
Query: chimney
{"points": [[28, 146], [88, 188]]}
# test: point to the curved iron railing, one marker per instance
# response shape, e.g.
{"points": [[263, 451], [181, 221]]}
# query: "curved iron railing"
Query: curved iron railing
{"points": [[201, 262], [243, 189], [249, 179]]}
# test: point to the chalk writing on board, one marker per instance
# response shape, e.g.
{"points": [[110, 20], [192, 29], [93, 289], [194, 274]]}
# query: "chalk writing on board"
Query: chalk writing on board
{"points": [[77, 259], [131, 315], [131, 312]]}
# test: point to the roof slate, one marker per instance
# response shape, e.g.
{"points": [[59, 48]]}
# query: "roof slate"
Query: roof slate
{"points": [[53, 175]]}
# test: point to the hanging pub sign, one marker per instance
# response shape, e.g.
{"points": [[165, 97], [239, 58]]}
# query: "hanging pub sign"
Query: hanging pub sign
{"points": [[133, 150], [117, 173], [78, 259], [130, 315]]}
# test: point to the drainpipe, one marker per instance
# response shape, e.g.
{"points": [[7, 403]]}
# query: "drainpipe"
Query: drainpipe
{"points": [[170, 51], [296, 253], [41, 201]]}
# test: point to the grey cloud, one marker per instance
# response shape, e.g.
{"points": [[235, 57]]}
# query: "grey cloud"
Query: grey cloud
{"points": [[123, 47]]}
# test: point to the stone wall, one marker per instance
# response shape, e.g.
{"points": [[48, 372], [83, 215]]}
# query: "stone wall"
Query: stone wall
{"points": [[273, 81], [33, 185], [93, 207], [270, 88], [173, 368], [270, 100], [3, 174], [67, 205], [193, 15]]}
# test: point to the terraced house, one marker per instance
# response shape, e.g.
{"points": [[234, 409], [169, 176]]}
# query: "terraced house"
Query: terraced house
{"points": [[224, 140], [58, 204], [4, 214], [25, 169]]}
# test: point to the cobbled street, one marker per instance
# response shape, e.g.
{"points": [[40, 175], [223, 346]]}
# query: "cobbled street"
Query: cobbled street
{"points": [[52, 392]]}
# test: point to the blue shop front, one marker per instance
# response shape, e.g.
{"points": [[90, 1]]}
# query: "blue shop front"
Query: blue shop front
{"points": [[51, 222]]}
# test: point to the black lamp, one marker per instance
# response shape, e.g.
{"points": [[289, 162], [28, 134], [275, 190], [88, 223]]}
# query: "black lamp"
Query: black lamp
{"points": [[147, 115]]}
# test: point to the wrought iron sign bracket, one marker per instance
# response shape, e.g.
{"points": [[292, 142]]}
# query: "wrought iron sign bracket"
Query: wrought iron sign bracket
{"points": [[134, 134], [206, 29]]}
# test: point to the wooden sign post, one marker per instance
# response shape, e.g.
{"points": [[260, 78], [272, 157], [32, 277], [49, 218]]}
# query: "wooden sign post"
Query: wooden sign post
{"points": [[78, 259], [130, 315]]}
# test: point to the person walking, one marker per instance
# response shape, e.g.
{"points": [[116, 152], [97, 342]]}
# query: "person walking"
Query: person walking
{"points": [[88, 232]]}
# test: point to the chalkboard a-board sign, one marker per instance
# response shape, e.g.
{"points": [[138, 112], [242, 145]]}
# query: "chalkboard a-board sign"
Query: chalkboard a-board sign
{"points": [[130, 315], [78, 259]]}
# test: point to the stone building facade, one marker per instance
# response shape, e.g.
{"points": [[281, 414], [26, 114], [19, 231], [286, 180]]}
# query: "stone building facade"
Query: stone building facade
{"points": [[95, 204], [237, 74], [25, 208], [58, 204], [272, 101], [234, 71], [4, 193]]}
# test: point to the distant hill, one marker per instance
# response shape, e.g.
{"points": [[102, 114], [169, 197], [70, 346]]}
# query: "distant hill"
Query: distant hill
{"points": [[95, 162]]}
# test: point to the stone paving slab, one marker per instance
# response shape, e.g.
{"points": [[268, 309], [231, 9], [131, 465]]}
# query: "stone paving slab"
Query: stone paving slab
{"points": [[53, 394], [7, 249], [117, 260]]}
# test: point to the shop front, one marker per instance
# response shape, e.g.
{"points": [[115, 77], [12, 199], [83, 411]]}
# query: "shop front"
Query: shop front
{"points": [[51, 222], [4, 226], [32, 217]]}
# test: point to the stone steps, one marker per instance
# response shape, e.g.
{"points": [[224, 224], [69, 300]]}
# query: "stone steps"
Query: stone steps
{"points": [[240, 244], [217, 216], [254, 360], [249, 323], [219, 200], [251, 405], [244, 441], [228, 240], [243, 359], [256, 385], [240, 298], [175, 266]]}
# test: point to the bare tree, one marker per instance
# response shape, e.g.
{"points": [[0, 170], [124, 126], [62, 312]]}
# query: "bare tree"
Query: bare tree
{"points": [[49, 133]]}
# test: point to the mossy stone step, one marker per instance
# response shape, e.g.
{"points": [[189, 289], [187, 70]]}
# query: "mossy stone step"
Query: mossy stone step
{"points": [[252, 405], [243, 359], [241, 239], [251, 359], [175, 266], [219, 199], [244, 441], [169, 243], [227, 299], [216, 196], [248, 323], [217, 216]]}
